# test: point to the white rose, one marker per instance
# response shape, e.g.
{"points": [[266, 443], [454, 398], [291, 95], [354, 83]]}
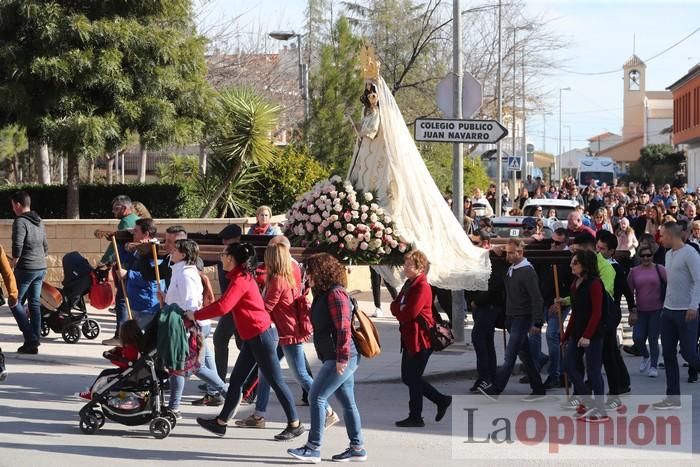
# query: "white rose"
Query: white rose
{"points": [[325, 214], [342, 234], [311, 209], [350, 228], [355, 206], [348, 238], [380, 212], [369, 197], [363, 217], [387, 219], [334, 194], [381, 251], [355, 214], [337, 208], [373, 218], [337, 224], [333, 218], [342, 195]]}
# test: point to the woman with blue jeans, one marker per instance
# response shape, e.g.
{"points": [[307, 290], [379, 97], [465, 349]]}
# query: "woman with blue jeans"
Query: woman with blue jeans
{"points": [[648, 284], [584, 339], [259, 340], [283, 301], [186, 291], [331, 316]]}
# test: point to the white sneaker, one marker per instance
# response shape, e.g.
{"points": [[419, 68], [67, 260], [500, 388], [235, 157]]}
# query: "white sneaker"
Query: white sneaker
{"points": [[653, 372], [378, 313], [644, 366]]}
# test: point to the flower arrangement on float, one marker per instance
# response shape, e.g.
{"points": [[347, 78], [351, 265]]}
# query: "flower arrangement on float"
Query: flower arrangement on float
{"points": [[347, 223]]}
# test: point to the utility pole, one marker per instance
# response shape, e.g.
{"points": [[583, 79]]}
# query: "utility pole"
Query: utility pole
{"points": [[458, 301], [522, 109], [499, 116], [512, 112]]}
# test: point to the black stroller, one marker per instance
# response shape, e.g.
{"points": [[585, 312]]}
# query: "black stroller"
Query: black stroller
{"points": [[135, 396], [63, 310]]}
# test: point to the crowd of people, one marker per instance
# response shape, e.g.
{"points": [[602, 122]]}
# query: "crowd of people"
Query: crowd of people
{"points": [[264, 306], [635, 243]]}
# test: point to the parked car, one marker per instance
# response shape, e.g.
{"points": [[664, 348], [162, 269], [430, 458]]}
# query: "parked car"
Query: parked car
{"points": [[514, 227], [563, 208]]}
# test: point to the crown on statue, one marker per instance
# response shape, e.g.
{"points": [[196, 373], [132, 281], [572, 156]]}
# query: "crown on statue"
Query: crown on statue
{"points": [[369, 62]]}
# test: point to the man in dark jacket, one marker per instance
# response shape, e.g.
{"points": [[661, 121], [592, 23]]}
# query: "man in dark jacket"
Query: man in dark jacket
{"points": [[615, 368], [29, 251], [546, 274], [524, 314], [487, 308]]}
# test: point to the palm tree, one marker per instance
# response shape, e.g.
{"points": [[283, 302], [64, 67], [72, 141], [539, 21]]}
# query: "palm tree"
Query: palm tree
{"points": [[244, 136]]}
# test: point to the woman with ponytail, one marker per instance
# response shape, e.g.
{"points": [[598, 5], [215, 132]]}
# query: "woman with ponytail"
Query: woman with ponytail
{"points": [[243, 300]]}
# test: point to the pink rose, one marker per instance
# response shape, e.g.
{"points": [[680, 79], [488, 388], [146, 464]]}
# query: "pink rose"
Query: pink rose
{"points": [[364, 246]]}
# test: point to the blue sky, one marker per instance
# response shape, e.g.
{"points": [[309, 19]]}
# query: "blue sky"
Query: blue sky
{"points": [[600, 33]]}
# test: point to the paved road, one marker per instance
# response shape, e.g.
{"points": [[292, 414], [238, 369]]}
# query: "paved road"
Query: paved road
{"points": [[39, 423]]}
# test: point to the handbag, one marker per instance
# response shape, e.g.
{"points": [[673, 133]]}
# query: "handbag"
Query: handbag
{"points": [[441, 336]]}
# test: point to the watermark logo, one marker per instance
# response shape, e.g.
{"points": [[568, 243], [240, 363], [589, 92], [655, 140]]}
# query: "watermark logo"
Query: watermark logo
{"points": [[548, 429]]}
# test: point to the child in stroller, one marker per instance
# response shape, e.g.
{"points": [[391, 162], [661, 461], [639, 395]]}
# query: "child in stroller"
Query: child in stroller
{"points": [[124, 355], [135, 396], [63, 310]]}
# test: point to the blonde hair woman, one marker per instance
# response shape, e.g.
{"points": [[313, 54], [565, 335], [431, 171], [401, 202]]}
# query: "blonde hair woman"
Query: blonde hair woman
{"points": [[282, 289], [600, 220], [263, 227], [626, 238], [141, 210]]}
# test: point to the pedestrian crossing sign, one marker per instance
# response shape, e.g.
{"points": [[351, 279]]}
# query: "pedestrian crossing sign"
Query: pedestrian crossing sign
{"points": [[514, 163]]}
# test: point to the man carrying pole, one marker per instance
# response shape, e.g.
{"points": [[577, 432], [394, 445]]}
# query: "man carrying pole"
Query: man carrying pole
{"points": [[122, 209]]}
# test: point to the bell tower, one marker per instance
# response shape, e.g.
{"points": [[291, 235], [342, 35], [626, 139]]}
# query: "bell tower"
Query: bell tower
{"points": [[634, 92]]}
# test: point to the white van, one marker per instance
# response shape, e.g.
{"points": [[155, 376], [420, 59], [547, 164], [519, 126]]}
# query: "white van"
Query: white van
{"points": [[600, 169]]}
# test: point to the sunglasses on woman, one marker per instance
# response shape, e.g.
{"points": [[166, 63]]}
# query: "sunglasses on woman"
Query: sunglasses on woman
{"points": [[645, 256]]}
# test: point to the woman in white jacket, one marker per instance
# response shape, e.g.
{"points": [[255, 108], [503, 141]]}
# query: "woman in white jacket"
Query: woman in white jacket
{"points": [[186, 291]]}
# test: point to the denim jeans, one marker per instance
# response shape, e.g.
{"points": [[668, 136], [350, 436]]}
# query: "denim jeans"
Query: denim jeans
{"points": [[483, 334], [648, 327], [29, 290], [326, 383], [177, 386], [263, 391], [594, 361], [554, 342], [120, 310], [262, 350], [144, 318], [296, 360], [518, 346], [412, 369], [674, 330]]}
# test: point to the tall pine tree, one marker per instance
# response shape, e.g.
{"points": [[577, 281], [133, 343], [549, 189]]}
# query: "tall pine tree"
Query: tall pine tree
{"points": [[81, 74], [336, 86]]}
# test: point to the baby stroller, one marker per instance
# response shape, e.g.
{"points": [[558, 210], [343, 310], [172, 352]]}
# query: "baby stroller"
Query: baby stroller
{"points": [[63, 310], [135, 396]]}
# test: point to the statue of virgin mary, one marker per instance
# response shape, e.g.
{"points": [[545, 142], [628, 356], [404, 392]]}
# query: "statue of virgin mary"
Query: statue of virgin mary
{"points": [[386, 161]]}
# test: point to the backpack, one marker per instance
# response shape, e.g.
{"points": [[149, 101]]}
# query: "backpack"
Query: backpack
{"points": [[365, 333], [101, 294], [302, 310]]}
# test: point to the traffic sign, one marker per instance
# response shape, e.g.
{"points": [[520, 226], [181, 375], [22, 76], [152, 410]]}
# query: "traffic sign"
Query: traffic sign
{"points": [[458, 131], [514, 163], [472, 95]]}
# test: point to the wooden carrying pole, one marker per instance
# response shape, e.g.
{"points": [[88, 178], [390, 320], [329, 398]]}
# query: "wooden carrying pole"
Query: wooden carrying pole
{"points": [[561, 324], [154, 251], [119, 274]]}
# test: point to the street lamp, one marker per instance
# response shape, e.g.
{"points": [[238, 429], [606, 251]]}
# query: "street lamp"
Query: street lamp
{"points": [[558, 171], [515, 30], [303, 67]]}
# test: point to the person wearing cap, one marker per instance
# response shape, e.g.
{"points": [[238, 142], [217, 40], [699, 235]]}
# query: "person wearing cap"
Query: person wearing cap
{"points": [[122, 208]]}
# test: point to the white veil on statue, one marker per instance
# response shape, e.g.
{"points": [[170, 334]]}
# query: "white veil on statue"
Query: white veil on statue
{"points": [[407, 191]]}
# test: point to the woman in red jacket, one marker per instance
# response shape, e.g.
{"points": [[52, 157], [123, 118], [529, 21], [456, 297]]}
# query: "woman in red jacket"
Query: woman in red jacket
{"points": [[584, 339], [282, 292], [413, 309], [243, 300]]}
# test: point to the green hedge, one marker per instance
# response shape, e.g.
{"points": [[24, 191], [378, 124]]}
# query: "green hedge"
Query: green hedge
{"points": [[162, 200]]}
